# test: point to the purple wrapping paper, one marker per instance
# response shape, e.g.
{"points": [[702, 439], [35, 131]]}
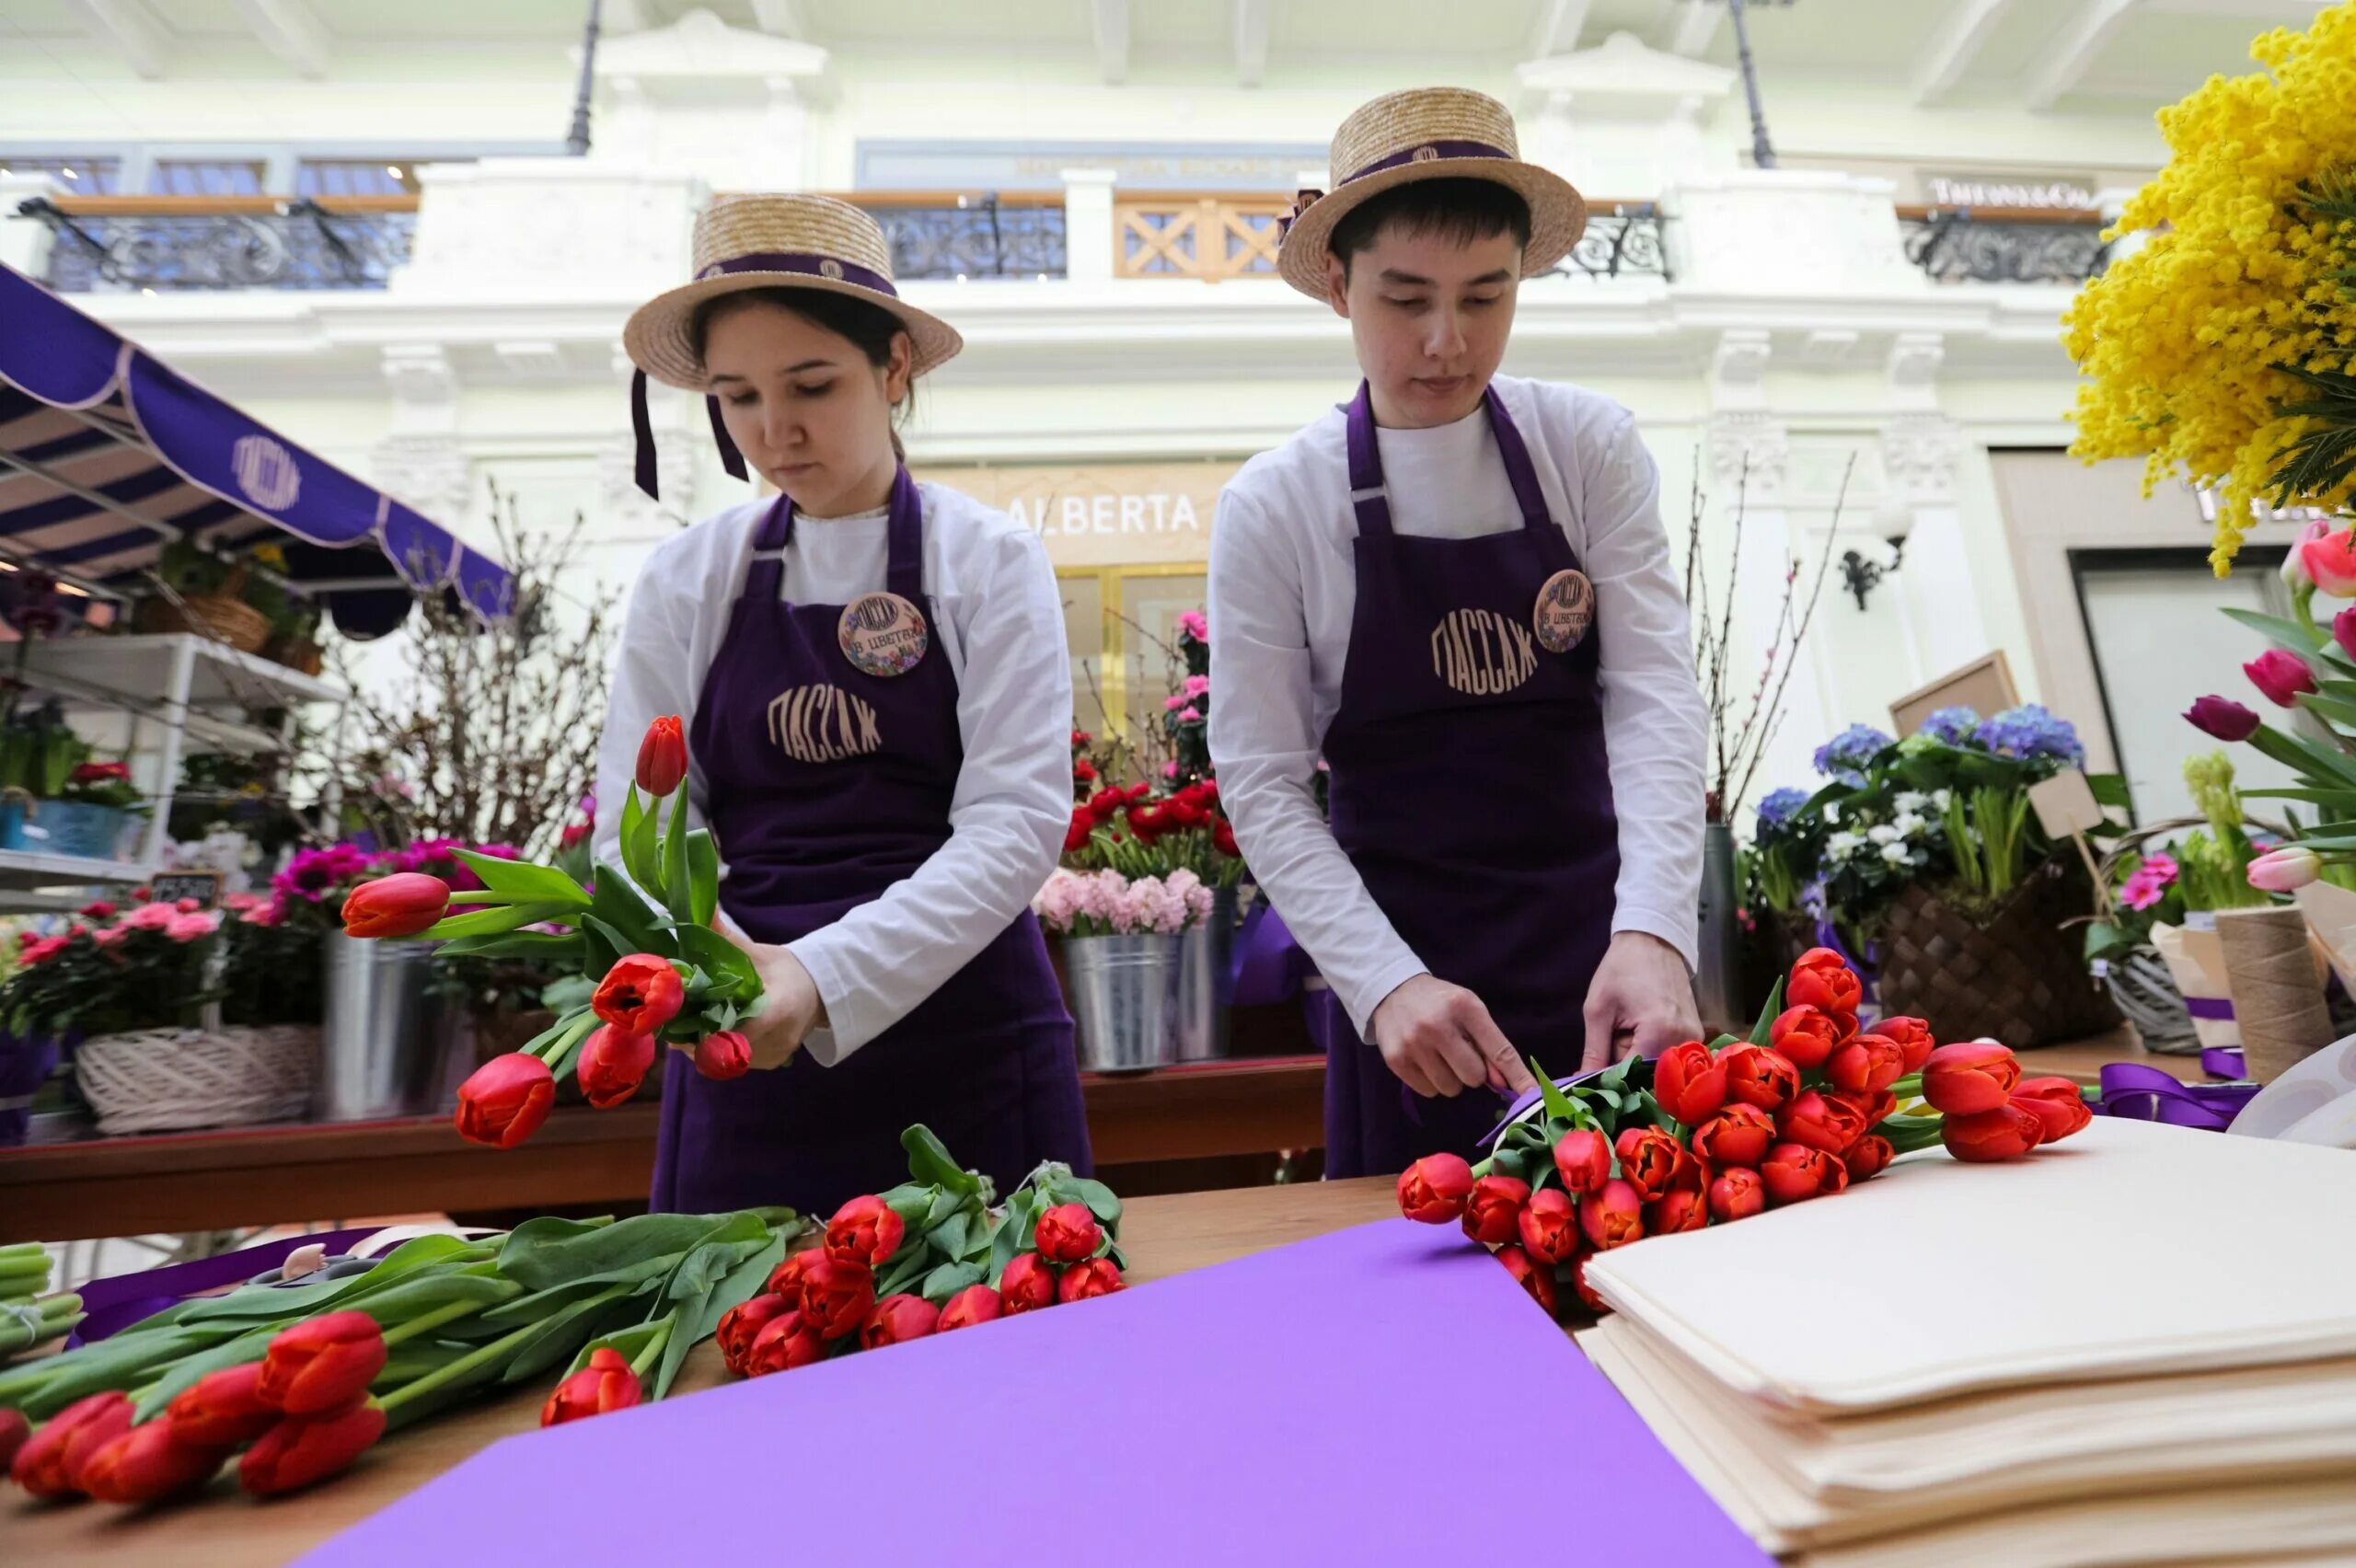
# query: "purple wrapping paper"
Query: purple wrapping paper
{"points": [[1380, 1395]]}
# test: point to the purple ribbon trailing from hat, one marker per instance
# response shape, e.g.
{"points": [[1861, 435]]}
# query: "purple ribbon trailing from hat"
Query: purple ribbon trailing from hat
{"points": [[642, 427], [113, 1304]]}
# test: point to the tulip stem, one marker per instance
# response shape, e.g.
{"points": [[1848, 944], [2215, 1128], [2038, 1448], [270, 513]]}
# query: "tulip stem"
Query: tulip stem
{"points": [[425, 1321], [486, 1355], [654, 1344]]}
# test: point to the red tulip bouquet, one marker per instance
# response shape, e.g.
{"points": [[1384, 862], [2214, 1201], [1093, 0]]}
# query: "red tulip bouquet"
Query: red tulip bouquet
{"points": [[665, 977], [1710, 1134]]}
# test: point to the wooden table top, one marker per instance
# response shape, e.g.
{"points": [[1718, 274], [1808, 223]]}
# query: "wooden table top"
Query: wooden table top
{"points": [[1161, 1236]]}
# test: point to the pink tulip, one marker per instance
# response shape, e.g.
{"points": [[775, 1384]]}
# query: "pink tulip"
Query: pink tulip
{"points": [[2283, 675], [2331, 561], [2285, 870], [2343, 630], [2294, 569]]}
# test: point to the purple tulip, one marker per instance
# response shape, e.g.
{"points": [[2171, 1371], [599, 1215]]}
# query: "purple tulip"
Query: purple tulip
{"points": [[2224, 718]]}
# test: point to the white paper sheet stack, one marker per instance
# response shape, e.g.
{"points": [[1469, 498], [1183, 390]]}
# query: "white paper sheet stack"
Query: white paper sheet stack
{"points": [[2138, 1346]]}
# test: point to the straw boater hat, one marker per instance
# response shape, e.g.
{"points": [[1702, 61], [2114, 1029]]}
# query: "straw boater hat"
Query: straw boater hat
{"points": [[766, 242], [1427, 133]]}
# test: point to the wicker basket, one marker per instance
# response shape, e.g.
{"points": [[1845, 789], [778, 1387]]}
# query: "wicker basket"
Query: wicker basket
{"points": [[232, 621], [2017, 976], [303, 657], [162, 1079]]}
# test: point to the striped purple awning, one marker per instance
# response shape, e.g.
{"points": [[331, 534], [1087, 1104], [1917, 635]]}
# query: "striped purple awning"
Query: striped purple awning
{"points": [[108, 454]]}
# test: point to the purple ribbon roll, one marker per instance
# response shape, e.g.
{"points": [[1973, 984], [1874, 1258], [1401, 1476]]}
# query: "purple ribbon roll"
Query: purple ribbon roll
{"points": [[2147, 1094], [2223, 1061], [113, 1304]]}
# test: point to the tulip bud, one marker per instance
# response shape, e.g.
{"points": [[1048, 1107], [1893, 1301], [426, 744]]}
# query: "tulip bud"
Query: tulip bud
{"points": [[864, 1231], [1759, 1074], [743, 1324], [223, 1410], [975, 1304], [322, 1364], [2007, 1132], [2219, 717], [1868, 1157], [1915, 1042], [1795, 1172], [1689, 1082], [1822, 979], [2058, 1105], [1613, 1216], [2294, 569], [1866, 1064], [1971, 1077], [640, 994], [14, 1430], [1586, 1292], [146, 1464], [663, 756], [1805, 1035], [1684, 1209], [785, 1341], [613, 1064], [302, 1449], [1536, 1278], [1493, 1214], [2281, 675], [2343, 630], [2330, 562], [1069, 1233], [1736, 1195], [1583, 1159], [2286, 870], [1652, 1161], [1433, 1189], [388, 908], [835, 1296], [47, 1462], [723, 1054], [1737, 1135], [505, 1101], [1872, 1109], [1097, 1277], [606, 1383], [786, 1278], [1549, 1225], [1028, 1284], [1821, 1121], [897, 1318]]}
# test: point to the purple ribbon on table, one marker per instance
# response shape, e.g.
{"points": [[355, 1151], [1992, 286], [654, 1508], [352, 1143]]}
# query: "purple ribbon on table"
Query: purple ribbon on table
{"points": [[2224, 1062], [2147, 1094], [113, 1304]]}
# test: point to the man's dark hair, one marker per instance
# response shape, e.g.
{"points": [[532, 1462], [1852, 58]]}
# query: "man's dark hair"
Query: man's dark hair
{"points": [[1460, 211]]}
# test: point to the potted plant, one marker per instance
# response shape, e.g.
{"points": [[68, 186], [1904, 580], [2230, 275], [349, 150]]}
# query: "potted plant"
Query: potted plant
{"points": [[202, 591], [91, 815], [38, 752]]}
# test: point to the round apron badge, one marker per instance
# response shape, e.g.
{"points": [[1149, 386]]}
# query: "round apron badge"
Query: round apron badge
{"points": [[883, 634], [1566, 609]]}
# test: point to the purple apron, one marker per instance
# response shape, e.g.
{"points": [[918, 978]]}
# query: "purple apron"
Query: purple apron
{"points": [[1470, 788], [827, 785]]}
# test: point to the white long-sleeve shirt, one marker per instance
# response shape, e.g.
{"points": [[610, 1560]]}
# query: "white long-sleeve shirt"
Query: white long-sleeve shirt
{"points": [[997, 618], [1282, 591]]}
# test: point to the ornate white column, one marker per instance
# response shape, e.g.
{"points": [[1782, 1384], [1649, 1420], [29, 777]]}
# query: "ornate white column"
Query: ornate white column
{"points": [[422, 462], [1920, 448]]}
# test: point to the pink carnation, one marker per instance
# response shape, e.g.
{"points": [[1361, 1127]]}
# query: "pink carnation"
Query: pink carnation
{"points": [[151, 917], [191, 928], [43, 950]]}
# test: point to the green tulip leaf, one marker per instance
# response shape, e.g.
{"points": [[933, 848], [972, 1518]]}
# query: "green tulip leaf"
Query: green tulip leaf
{"points": [[626, 912], [1760, 1032], [947, 1280], [703, 874], [554, 950], [677, 891], [640, 844], [929, 1162], [521, 880], [496, 920], [1100, 1200], [1557, 1103], [706, 949], [2299, 637]]}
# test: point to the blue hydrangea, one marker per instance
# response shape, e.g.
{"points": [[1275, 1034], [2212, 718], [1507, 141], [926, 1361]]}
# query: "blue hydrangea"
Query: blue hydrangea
{"points": [[1954, 725], [1845, 755], [2029, 731], [1777, 808]]}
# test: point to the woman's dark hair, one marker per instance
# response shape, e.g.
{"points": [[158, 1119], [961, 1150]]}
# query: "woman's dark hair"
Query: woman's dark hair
{"points": [[870, 327], [1460, 211]]}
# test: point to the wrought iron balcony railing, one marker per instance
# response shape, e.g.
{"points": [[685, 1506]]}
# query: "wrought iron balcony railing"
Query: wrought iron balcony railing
{"points": [[947, 235], [2004, 245], [174, 242]]}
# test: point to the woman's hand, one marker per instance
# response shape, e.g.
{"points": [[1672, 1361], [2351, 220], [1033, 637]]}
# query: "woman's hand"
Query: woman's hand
{"points": [[790, 1007]]}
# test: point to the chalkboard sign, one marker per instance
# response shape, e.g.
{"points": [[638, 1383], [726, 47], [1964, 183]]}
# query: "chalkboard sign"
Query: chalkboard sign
{"points": [[173, 886]]}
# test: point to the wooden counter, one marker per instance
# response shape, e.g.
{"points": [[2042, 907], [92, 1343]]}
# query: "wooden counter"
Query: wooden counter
{"points": [[1161, 1236]]}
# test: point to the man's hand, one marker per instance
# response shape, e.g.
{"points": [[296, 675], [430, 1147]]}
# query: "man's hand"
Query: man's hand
{"points": [[1641, 1001], [1440, 1041], [790, 1007]]}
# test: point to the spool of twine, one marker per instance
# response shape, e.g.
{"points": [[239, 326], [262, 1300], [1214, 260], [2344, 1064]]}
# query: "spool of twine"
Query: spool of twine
{"points": [[2278, 999]]}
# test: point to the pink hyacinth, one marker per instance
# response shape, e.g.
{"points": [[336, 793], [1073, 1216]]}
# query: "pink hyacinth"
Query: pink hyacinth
{"points": [[1058, 901]]}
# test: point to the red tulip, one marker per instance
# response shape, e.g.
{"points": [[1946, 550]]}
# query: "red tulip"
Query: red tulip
{"points": [[14, 1430], [785, 1341], [1082, 828], [1970, 1078], [864, 1231], [505, 1101], [223, 1410], [1587, 1292], [1653, 1160], [1913, 1037], [975, 1304], [1550, 1225], [1805, 1035], [786, 1278], [2281, 675], [1433, 1189], [1583, 1159], [1069, 1233], [1794, 1172], [640, 994], [1737, 1135], [1684, 1209], [743, 1324], [1613, 1216], [399, 906], [47, 1462], [723, 1054], [1759, 1074], [1536, 1278], [663, 756], [1821, 1121], [1098, 1277], [835, 1296], [605, 1384], [2006, 1133], [613, 1064], [1872, 1109], [1868, 1157], [1223, 839], [322, 1364], [1028, 1284], [1822, 978], [305, 1448], [1736, 1195], [2056, 1103], [1866, 1064], [897, 1319], [1493, 1214], [1689, 1082], [146, 1464]]}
